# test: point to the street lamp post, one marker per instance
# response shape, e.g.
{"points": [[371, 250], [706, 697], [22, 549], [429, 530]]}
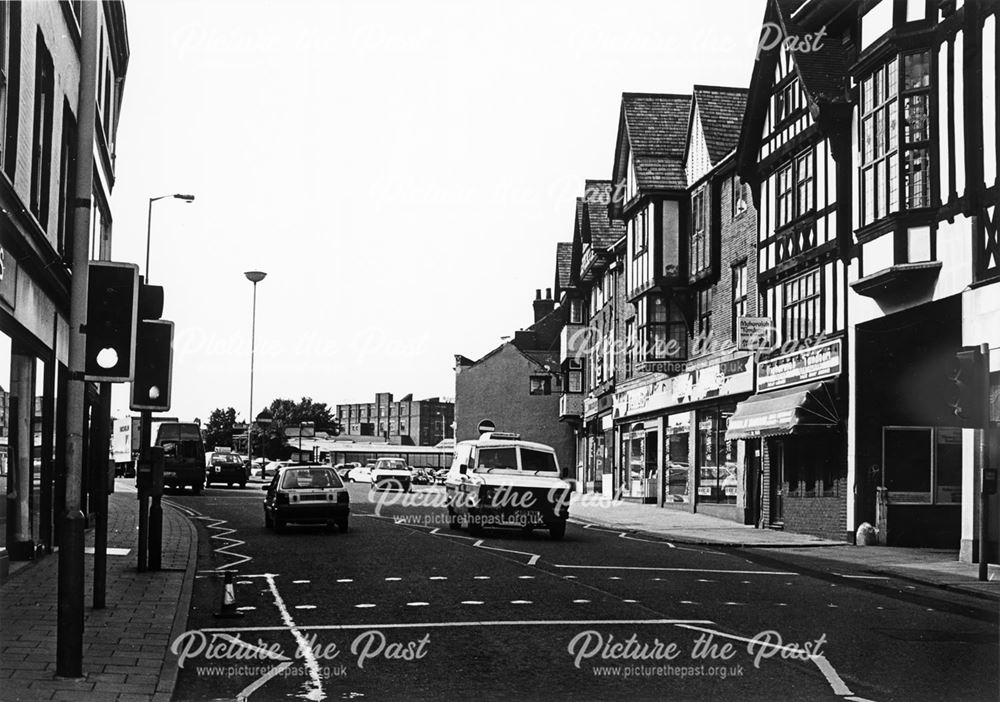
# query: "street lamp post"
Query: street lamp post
{"points": [[254, 277], [149, 222], [150, 515]]}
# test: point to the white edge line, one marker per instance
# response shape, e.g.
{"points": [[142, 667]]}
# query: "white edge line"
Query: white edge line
{"points": [[444, 625]]}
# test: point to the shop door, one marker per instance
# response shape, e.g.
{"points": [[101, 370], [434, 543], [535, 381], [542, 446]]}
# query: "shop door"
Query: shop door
{"points": [[777, 482]]}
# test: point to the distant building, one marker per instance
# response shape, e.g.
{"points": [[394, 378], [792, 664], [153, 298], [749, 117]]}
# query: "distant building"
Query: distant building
{"points": [[518, 386], [406, 422]]}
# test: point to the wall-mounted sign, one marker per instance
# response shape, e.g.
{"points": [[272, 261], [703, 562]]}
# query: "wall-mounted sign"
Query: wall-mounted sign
{"points": [[730, 377], [754, 333], [821, 361]]}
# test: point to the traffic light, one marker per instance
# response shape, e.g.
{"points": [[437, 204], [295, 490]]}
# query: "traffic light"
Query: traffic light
{"points": [[112, 298], [153, 366], [966, 387]]}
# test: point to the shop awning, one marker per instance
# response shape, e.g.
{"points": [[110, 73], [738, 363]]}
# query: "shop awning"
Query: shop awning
{"points": [[793, 410]]}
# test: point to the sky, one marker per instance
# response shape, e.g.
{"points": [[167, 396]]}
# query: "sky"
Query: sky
{"points": [[402, 171]]}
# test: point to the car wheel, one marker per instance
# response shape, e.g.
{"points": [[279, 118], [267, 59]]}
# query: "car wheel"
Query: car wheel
{"points": [[342, 525], [229, 484], [557, 531], [475, 526], [243, 483], [453, 521]]}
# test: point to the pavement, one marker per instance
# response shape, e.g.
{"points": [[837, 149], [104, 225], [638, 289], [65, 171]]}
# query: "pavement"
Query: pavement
{"points": [[936, 567], [126, 653], [126, 645]]}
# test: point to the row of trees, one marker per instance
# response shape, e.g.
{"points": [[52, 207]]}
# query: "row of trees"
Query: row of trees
{"points": [[269, 439]]}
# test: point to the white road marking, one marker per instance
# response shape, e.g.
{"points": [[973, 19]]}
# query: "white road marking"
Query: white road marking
{"points": [[688, 602], [621, 534], [520, 601], [446, 625], [832, 606], [703, 580], [392, 580], [111, 551], [481, 577], [835, 681], [526, 577], [364, 605], [531, 561], [244, 582], [472, 602], [614, 577], [680, 570], [305, 606], [417, 604], [437, 532], [305, 651], [248, 608], [630, 601], [345, 580], [782, 604], [863, 577], [245, 693], [733, 604], [300, 582], [438, 577], [581, 601], [216, 524]]}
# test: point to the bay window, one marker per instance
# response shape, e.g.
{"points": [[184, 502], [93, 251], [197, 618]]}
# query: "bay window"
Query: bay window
{"points": [[701, 240], [896, 93], [662, 333]]}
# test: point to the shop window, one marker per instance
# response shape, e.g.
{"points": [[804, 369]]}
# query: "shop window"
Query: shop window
{"points": [[922, 465], [716, 457], [676, 441]]}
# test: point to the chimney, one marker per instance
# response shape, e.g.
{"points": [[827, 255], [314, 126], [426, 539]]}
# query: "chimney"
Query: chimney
{"points": [[543, 306]]}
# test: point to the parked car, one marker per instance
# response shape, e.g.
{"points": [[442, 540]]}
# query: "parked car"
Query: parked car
{"points": [[344, 468], [423, 476], [306, 494], [391, 473], [227, 468], [440, 475], [361, 474], [499, 480], [272, 467]]}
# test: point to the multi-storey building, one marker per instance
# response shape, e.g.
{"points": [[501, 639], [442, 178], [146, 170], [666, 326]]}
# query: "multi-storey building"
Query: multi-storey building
{"points": [[44, 120], [405, 421], [872, 150], [518, 386]]}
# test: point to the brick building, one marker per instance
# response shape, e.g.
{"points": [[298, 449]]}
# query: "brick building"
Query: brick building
{"points": [[518, 385], [406, 421], [51, 146]]}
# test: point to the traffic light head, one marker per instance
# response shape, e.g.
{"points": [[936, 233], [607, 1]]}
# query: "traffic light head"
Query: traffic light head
{"points": [[965, 387], [153, 366], [112, 299]]}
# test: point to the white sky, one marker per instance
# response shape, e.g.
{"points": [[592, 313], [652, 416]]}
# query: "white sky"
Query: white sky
{"points": [[401, 170]]}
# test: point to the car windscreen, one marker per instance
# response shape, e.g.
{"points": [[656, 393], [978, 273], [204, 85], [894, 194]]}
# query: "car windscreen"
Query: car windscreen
{"points": [[310, 478], [226, 458], [538, 461], [177, 432], [392, 464], [504, 458]]}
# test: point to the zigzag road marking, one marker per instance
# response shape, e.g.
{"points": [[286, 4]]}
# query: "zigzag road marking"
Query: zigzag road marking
{"points": [[216, 524]]}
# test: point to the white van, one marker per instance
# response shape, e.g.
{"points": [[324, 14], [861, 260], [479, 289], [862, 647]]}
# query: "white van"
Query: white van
{"points": [[498, 480]]}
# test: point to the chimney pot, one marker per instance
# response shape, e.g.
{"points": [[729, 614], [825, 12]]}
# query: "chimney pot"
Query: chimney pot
{"points": [[538, 293], [548, 293]]}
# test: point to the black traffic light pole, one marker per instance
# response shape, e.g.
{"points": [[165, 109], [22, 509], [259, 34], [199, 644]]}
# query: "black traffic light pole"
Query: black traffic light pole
{"points": [[143, 546], [155, 508]]}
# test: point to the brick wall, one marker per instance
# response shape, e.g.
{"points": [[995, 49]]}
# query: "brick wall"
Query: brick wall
{"points": [[496, 388]]}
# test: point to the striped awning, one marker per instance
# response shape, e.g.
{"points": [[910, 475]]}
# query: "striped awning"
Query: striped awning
{"points": [[794, 410]]}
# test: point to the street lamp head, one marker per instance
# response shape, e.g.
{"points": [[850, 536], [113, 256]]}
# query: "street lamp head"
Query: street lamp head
{"points": [[255, 276], [185, 198]]}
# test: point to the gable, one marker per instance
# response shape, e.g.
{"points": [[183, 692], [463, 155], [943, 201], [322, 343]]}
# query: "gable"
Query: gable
{"points": [[698, 161]]}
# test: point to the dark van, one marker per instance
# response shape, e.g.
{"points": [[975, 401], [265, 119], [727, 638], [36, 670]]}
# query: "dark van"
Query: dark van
{"points": [[183, 455]]}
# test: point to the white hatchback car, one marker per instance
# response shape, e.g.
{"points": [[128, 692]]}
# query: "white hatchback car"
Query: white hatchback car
{"points": [[360, 474], [499, 480], [392, 473]]}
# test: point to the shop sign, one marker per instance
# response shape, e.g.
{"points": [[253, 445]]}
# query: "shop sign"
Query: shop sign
{"points": [[589, 407], [822, 361], [729, 377], [754, 333]]}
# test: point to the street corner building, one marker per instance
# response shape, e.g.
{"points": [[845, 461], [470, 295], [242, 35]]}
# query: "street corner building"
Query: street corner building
{"points": [[518, 385], [49, 151]]}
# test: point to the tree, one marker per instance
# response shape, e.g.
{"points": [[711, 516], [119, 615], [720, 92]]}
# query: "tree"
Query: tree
{"points": [[219, 429], [288, 413]]}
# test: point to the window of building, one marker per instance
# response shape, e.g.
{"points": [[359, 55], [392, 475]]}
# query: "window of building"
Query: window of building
{"points": [[574, 381], [5, 26], [786, 101], [676, 441], [41, 139], [640, 233], [895, 94], [703, 310], [576, 311], [662, 334], [801, 307], [737, 197], [716, 456], [67, 180], [739, 288], [629, 348], [540, 385], [701, 245], [795, 194]]}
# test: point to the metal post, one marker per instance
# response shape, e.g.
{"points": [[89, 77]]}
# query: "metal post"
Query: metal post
{"points": [[143, 547], [984, 462], [99, 454], [70, 616], [253, 334]]}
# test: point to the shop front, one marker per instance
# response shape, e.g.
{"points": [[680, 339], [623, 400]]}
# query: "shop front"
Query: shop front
{"points": [[597, 450], [673, 447], [794, 422]]}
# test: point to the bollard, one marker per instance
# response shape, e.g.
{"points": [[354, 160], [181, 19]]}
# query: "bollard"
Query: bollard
{"points": [[228, 609]]}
